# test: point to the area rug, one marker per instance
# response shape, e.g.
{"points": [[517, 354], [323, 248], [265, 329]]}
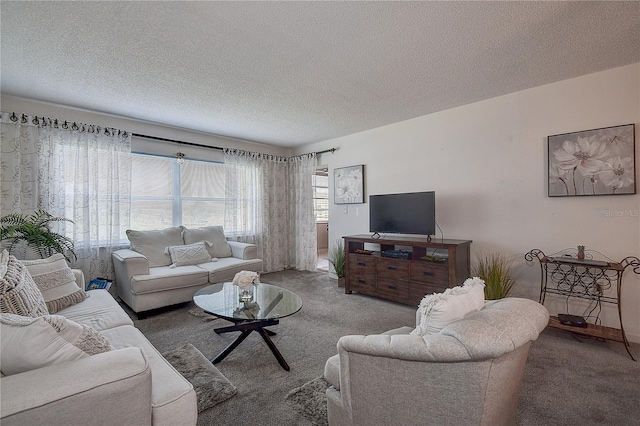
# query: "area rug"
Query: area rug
{"points": [[310, 400], [211, 386]]}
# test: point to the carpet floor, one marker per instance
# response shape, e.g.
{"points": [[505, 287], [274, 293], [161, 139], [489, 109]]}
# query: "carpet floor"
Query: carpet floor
{"points": [[568, 380]]}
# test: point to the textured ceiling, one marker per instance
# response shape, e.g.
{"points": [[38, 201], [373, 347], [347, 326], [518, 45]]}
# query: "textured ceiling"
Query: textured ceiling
{"points": [[293, 73]]}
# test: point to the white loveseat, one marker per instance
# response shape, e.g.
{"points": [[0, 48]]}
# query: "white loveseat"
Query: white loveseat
{"points": [[132, 384], [166, 267]]}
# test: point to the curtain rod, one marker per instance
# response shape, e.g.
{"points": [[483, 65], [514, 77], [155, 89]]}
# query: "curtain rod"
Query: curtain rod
{"points": [[331, 150], [176, 141]]}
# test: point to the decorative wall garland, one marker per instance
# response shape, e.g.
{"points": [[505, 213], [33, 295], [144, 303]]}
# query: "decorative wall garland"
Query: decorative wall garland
{"points": [[109, 131], [269, 157], [65, 125]]}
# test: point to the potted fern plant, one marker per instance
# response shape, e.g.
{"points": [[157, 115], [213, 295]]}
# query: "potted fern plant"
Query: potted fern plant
{"points": [[20, 232], [497, 272], [338, 259]]}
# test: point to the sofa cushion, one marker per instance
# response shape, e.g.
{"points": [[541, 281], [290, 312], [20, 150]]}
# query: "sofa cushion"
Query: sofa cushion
{"points": [[56, 282], [440, 309], [99, 311], [214, 234], [169, 389], [18, 292], [225, 269], [152, 244], [190, 254], [166, 278], [30, 343]]}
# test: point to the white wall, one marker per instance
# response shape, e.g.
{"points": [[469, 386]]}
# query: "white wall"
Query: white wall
{"points": [[487, 163]]}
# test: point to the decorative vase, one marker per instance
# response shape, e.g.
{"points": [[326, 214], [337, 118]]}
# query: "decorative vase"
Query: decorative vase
{"points": [[581, 252], [246, 296]]}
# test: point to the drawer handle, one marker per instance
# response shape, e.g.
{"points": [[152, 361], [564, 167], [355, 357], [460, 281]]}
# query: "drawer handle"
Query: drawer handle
{"points": [[391, 268], [362, 281], [362, 264], [429, 274], [391, 287]]}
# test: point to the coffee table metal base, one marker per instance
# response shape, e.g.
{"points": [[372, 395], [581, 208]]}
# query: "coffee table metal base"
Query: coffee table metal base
{"points": [[246, 327]]}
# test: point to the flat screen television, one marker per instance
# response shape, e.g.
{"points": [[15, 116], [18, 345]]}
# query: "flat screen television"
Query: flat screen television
{"points": [[408, 213]]}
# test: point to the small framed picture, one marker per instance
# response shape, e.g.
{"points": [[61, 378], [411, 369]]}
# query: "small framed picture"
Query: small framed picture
{"points": [[592, 162], [348, 185]]}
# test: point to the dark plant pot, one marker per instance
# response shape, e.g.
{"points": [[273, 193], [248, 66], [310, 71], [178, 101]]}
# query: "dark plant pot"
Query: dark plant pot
{"points": [[341, 281]]}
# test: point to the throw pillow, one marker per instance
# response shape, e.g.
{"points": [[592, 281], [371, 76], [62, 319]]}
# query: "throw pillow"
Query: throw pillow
{"points": [[56, 282], [219, 246], [30, 343], [151, 244], [192, 254], [438, 310], [476, 287], [18, 292]]}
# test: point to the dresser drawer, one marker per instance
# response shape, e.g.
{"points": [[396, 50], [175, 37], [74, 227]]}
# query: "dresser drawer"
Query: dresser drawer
{"points": [[361, 267], [429, 272], [365, 283], [392, 268], [361, 271], [362, 261], [392, 288]]}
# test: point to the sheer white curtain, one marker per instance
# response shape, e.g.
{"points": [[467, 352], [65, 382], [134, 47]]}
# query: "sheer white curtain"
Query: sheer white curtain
{"points": [[258, 209], [303, 253], [242, 212], [78, 171]]}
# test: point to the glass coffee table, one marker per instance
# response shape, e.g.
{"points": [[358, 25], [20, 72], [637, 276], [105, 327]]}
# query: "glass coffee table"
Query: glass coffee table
{"points": [[268, 304]]}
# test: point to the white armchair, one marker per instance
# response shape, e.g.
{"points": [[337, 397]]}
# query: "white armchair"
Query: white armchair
{"points": [[467, 374]]}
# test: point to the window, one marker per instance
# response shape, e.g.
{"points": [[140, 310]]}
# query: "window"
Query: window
{"points": [[202, 193], [151, 192], [321, 196], [164, 193]]}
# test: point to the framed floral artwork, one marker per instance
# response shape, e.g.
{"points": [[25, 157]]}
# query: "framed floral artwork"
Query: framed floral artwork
{"points": [[592, 162], [348, 185]]}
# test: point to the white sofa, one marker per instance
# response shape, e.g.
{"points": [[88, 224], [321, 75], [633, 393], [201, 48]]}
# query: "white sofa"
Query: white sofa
{"points": [[146, 275], [130, 385]]}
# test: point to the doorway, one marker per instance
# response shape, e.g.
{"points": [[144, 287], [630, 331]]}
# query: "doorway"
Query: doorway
{"points": [[321, 209]]}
